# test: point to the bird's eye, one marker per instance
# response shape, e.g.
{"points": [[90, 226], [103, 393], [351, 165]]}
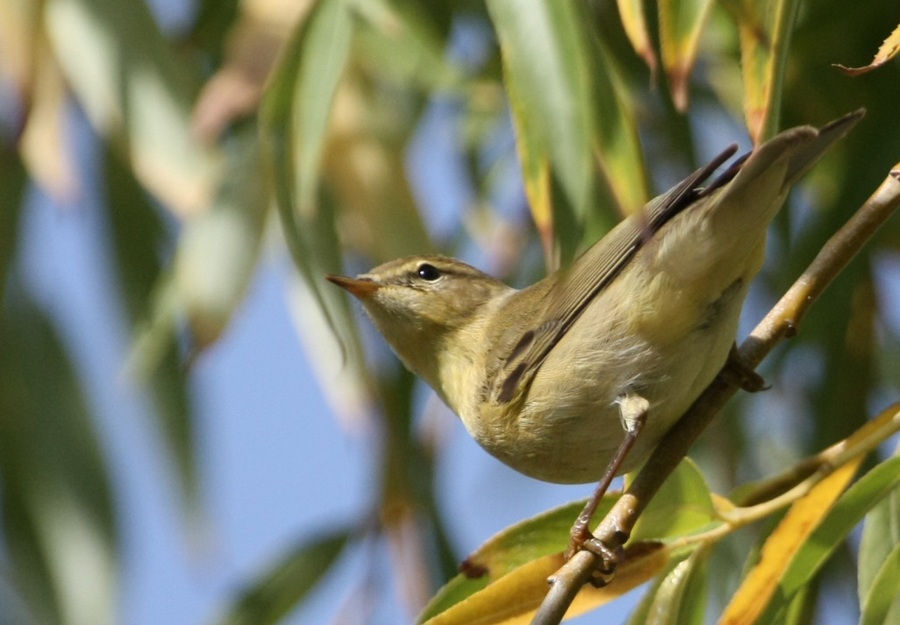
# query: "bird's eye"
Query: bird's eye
{"points": [[428, 272]]}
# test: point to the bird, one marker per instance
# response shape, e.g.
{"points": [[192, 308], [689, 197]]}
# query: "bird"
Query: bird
{"points": [[577, 377]]}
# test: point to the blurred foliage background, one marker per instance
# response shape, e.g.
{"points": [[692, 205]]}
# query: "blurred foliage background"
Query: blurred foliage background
{"points": [[374, 129]]}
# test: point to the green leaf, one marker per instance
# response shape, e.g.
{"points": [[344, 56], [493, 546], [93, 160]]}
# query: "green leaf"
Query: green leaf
{"points": [[847, 512], [58, 524], [765, 28], [880, 536], [136, 91], [681, 596], [13, 181], [878, 565], [137, 234], [680, 25], [279, 590], [634, 21], [295, 116], [883, 596], [514, 598], [515, 546], [398, 39], [682, 506], [569, 117], [215, 259]]}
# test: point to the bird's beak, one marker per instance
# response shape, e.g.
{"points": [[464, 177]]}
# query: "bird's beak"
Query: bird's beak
{"points": [[357, 287]]}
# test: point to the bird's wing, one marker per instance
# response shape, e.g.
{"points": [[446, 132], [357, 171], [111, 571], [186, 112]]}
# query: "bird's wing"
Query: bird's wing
{"points": [[599, 265], [591, 273]]}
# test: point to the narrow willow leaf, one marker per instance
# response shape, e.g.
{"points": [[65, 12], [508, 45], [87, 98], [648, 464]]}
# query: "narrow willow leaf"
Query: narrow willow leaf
{"points": [[814, 528], [296, 114], [640, 614], [680, 25], [568, 115], [138, 92], [214, 262], [515, 546], [13, 181], [681, 597], [765, 28], [831, 533], [43, 143], [513, 598], [849, 510], [634, 21], [396, 39], [218, 250], [366, 173], [283, 587], [888, 50], [542, 45], [58, 524], [883, 597], [683, 505], [784, 546], [880, 537], [137, 233]]}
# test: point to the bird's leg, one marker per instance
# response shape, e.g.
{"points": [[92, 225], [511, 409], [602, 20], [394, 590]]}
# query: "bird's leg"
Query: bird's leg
{"points": [[748, 378], [633, 411]]}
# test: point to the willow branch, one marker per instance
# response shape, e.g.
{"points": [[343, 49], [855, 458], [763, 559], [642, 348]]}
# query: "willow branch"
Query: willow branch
{"points": [[781, 322]]}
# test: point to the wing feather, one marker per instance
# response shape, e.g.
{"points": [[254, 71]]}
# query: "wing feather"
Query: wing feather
{"points": [[590, 274]]}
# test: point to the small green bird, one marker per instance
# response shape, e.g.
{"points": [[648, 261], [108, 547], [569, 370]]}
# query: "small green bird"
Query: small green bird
{"points": [[550, 379]]}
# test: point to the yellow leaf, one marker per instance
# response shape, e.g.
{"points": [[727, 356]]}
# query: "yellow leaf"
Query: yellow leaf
{"points": [[886, 52], [680, 24], [634, 21], [753, 596], [513, 598]]}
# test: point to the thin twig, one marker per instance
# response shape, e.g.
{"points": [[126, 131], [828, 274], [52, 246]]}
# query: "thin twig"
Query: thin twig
{"points": [[781, 322]]}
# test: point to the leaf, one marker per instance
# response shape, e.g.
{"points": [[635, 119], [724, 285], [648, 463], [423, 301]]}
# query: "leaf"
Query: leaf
{"points": [[680, 25], [217, 251], [214, 262], [880, 539], [256, 34], [514, 597], [137, 233], [784, 547], [886, 52], [13, 181], [43, 143], [634, 21], [543, 535], [58, 524], [295, 118], [136, 91], [366, 173], [569, 116], [849, 510], [883, 597], [279, 590], [397, 40], [765, 28], [683, 505], [813, 527], [681, 596]]}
